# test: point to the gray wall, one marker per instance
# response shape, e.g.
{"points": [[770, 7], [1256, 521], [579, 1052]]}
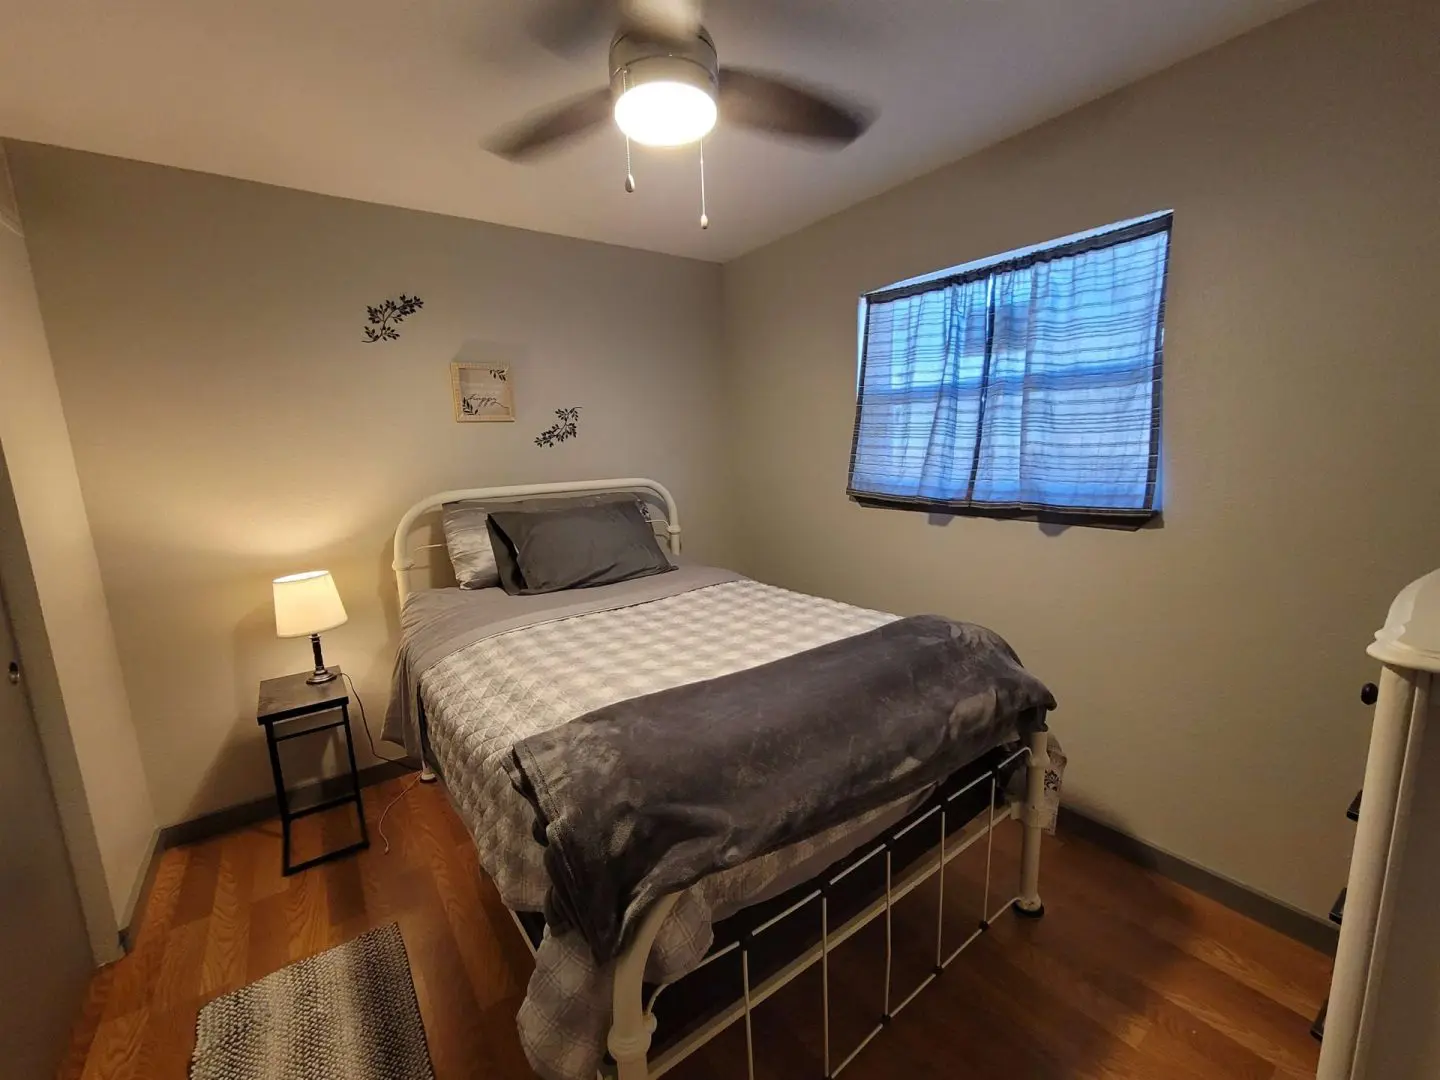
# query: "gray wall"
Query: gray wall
{"points": [[1206, 670], [229, 424]]}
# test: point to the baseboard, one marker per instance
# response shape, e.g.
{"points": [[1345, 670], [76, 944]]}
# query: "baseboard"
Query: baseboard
{"points": [[140, 894], [1266, 910], [238, 817]]}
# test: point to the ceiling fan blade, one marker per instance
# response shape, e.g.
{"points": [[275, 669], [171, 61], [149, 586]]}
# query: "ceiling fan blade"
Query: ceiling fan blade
{"points": [[662, 20], [769, 103], [568, 27], [816, 22], [547, 129]]}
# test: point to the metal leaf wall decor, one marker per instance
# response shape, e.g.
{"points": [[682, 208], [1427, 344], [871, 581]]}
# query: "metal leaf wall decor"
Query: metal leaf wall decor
{"points": [[386, 316], [567, 426]]}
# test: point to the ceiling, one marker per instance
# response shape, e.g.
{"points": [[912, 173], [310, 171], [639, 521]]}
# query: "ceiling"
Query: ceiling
{"points": [[388, 102]]}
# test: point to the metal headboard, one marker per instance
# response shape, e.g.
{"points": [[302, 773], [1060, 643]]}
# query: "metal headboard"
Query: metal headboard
{"points": [[404, 561]]}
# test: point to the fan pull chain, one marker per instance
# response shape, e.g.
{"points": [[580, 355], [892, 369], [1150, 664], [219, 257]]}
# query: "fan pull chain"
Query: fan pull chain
{"points": [[704, 217], [629, 170]]}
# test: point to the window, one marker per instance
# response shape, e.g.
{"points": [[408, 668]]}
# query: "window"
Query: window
{"points": [[1023, 385]]}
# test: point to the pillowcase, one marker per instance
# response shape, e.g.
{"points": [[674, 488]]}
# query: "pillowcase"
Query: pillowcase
{"points": [[574, 547], [507, 566], [467, 537], [468, 542]]}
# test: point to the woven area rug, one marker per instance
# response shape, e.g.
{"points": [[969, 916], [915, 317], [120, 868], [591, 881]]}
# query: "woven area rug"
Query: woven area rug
{"points": [[347, 1014]]}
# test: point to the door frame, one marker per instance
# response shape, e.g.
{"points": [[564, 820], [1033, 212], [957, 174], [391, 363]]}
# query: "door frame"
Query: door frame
{"points": [[47, 709]]}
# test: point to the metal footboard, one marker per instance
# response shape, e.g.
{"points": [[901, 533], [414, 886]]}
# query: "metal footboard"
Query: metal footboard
{"points": [[633, 1016]]}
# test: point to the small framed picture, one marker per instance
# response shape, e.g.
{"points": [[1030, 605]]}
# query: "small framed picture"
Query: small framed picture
{"points": [[481, 392]]}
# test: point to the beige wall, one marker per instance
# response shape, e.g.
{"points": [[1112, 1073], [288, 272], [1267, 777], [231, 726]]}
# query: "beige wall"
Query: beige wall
{"points": [[62, 624], [230, 425], [1207, 670]]}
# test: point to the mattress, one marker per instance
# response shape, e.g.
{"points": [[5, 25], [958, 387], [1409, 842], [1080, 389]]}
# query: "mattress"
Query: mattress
{"points": [[483, 699]]}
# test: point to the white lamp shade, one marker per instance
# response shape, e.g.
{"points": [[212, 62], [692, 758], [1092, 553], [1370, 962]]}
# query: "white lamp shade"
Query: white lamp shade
{"points": [[307, 604]]}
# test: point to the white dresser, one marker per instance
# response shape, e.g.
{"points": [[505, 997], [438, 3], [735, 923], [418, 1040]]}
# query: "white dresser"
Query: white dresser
{"points": [[1384, 1018]]}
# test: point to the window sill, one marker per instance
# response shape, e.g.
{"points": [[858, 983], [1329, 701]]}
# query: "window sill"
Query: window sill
{"points": [[1125, 520]]}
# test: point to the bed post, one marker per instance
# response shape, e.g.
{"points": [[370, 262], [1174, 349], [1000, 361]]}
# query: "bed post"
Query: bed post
{"points": [[630, 1025], [1032, 818]]}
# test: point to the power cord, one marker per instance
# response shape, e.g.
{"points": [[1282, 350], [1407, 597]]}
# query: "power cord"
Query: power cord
{"points": [[369, 738], [380, 825], [365, 721]]}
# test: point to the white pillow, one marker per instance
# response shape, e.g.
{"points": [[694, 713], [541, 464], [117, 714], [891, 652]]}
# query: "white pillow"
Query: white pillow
{"points": [[468, 542]]}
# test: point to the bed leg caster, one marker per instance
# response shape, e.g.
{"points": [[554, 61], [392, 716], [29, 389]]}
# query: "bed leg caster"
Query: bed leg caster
{"points": [[427, 775], [1029, 909], [1032, 819]]}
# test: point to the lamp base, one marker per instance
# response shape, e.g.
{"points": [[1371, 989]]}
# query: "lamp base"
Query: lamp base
{"points": [[322, 674]]}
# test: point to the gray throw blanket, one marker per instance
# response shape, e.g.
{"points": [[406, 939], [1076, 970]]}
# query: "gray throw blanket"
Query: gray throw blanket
{"points": [[647, 796]]}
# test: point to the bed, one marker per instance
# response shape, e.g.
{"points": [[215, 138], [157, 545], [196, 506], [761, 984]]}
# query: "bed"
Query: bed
{"points": [[482, 672]]}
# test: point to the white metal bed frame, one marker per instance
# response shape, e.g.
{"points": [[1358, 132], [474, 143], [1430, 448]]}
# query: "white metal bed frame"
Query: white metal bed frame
{"points": [[632, 1016]]}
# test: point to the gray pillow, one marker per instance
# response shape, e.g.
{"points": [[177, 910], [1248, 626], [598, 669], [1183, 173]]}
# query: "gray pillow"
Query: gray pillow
{"points": [[467, 537], [507, 568], [575, 547]]}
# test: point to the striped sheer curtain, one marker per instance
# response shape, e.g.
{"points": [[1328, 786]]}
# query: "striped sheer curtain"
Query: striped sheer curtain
{"points": [[1027, 386]]}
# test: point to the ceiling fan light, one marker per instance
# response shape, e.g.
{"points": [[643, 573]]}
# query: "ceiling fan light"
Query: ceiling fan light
{"points": [[665, 113]]}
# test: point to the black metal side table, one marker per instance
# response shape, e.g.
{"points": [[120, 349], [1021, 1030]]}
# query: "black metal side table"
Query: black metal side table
{"points": [[291, 698]]}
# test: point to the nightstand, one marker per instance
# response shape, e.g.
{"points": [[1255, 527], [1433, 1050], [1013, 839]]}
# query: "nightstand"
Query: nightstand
{"points": [[291, 698]]}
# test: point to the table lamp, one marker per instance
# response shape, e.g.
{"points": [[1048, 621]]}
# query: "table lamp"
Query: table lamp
{"points": [[308, 604]]}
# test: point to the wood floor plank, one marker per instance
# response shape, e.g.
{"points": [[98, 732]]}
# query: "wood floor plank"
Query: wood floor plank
{"points": [[1055, 950], [1254, 1021], [458, 888], [268, 878], [168, 1041], [178, 983], [1124, 1022], [227, 939], [1069, 1038], [268, 944], [132, 979], [1129, 976], [116, 1052], [345, 900], [87, 1024], [1255, 955], [446, 999], [165, 891], [307, 915], [197, 891]]}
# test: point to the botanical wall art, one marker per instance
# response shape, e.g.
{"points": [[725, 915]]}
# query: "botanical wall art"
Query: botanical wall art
{"points": [[481, 392], [386, 316], [567, 426]]}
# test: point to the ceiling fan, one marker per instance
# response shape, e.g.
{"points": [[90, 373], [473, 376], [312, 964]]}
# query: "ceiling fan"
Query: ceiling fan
{"points": [[667, 87]]}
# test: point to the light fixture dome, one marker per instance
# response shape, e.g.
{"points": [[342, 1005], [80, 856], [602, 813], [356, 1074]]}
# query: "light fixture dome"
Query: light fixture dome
{"points": [[665, 113], [664, 93]]}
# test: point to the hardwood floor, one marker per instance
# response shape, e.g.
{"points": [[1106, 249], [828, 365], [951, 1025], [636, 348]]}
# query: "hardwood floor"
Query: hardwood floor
{"points": [[1128, 976]]}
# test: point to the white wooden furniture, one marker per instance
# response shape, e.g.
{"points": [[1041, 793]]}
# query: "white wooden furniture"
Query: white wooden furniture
{"points": [[632, 1018], [1384, 1016]]}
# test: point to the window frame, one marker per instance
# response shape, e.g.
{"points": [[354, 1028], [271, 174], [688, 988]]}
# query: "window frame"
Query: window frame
{"points": [[970, 273]]}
